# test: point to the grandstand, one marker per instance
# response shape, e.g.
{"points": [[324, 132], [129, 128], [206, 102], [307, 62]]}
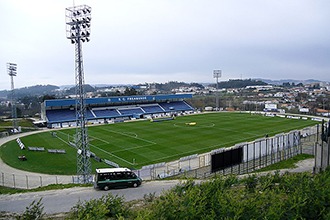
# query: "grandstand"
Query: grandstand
{"points": [[61, 112]]}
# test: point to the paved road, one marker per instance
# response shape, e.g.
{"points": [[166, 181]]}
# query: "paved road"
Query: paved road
{"points": [[57, 201]]}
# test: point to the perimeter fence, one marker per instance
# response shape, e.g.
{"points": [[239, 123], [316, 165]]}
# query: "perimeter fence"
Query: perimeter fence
{"points": [[31, 181], [256, 154]]}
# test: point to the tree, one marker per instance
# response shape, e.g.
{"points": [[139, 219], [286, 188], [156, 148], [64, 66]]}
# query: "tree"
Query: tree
{"points": [[47, 97], [130, 91]]}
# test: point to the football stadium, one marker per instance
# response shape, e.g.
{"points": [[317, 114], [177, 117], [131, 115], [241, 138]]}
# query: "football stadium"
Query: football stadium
{"points": [[156, 136]]}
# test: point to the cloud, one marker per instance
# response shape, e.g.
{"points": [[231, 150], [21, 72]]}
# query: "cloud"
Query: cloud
{"points": [[159, 41]]}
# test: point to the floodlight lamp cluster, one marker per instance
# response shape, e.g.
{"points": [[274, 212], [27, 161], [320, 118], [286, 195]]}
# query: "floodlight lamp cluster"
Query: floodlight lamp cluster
{"points": [[12, 69], [78, 20], [216, 73]]}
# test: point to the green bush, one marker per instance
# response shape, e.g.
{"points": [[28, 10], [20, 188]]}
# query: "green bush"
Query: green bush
{"points": [[288, 196], [107, 207], [34, 211]]}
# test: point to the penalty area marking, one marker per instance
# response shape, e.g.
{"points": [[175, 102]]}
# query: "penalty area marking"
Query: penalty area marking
{"points": [[100, 150], [66, 142], [132, 134], [107, 142], [133, 148], [112, 154]]}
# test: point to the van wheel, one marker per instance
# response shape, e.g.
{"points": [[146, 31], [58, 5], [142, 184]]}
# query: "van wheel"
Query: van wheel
{"points": [[135, 185], [106, 188]]}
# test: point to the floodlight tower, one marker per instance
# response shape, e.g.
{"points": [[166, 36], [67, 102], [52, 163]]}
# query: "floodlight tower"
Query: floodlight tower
{"points": [[78, 20], [12, 71], [217, 75]]}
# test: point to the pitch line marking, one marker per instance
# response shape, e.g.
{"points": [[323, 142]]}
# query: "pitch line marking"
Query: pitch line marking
{"points": [[64, 141], [132, 148], [100, 150], [193, 151], [195, 126], [127, 135], [107, 142], [132, 134], [111, 154]]}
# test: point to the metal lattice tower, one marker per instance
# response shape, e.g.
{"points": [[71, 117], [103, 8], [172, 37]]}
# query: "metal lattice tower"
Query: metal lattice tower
{"points": [[217, 75], [78, 31], [12, 71]]}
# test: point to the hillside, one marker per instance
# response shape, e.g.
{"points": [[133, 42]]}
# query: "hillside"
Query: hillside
{"points": [[37, 90]]}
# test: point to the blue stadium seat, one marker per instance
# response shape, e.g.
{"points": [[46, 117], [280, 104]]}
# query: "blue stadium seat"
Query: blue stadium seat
{"points": [[60, 115], [152, 109], [106, 113], [176, 106], [69, 115], [130, 111]]}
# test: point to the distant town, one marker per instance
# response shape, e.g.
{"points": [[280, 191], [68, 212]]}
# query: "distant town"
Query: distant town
{"points": [[309, 97]]}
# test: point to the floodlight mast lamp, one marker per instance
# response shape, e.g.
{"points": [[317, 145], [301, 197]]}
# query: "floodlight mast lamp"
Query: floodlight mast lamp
{"points": [[78, 20], [12, 71], [217, 75]]}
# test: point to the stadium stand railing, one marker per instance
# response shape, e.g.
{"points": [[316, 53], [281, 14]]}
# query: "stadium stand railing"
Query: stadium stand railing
{"points": [[176, 106], [152, 109], [130, 111], [89, 115], [106, 113]]}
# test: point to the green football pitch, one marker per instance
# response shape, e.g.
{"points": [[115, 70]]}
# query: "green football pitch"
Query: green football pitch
{"points": [[139, 143]]}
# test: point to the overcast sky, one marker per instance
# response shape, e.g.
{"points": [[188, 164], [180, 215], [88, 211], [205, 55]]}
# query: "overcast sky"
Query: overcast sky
{"points": [[137, 41]]}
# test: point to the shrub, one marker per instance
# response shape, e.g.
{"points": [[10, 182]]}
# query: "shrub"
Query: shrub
{"points": [[34, 211], [107, 207], [287, 196]]}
